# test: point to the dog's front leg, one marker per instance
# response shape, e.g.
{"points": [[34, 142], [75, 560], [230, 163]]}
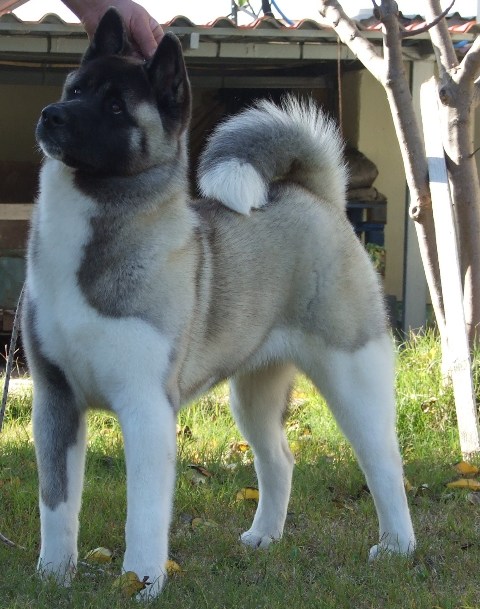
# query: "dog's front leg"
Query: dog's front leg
{"points": [[60, 438], [148, 427]]}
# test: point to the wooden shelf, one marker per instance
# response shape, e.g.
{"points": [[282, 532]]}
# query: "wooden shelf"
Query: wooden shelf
{"points": [[16, 211]]}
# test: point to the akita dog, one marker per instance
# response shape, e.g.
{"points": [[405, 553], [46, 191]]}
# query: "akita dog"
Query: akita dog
{"points": [[139, 298]]}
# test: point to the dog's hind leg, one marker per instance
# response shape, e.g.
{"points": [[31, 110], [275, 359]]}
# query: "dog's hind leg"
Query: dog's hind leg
{"points": [[60, 437], [359, 388], [259, 401]]}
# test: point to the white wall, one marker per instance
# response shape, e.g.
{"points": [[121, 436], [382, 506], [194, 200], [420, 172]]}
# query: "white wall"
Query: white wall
{"points": [[368, 125]]}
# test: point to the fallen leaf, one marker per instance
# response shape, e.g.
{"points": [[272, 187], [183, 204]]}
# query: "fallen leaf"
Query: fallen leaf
{"points": [[184, 432], [298, 394], [173, 568], [343, 504], [129, 584], [298, 398], [473, 498], [293, 426], [466, 469], [199, 523], [473, 485], [415, 491], [249, 493], [423, 489], [427, 404], [239, 447], [198, 474], [201, 470], [99, 555], [295, 447]]}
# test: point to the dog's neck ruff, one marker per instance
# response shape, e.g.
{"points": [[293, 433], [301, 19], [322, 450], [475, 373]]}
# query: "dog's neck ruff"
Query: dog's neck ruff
{"points": [[133, 192]]}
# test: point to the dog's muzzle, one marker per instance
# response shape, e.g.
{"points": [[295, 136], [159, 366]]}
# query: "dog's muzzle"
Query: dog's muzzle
{"points": [[52, 132], [53, 116]]}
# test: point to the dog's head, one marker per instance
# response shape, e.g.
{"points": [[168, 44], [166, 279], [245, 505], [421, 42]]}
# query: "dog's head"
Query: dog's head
{"points": [[119, 115]]}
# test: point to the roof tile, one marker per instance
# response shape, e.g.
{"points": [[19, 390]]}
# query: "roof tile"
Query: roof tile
{"points": [[456, 23]]}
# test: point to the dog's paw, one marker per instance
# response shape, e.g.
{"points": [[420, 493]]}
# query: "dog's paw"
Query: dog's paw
{"points": [[381, 550], [153, 589], [256, 540], [62, 572]]}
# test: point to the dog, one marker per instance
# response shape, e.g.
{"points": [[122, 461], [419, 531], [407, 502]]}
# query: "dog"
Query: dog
{"points": [[139, 298]]}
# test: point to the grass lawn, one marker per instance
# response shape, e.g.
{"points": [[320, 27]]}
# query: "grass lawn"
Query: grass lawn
{"points": [[321, 561]]}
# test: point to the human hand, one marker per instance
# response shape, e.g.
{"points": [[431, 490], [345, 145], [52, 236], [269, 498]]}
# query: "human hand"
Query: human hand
{"points": [[143, 31]]}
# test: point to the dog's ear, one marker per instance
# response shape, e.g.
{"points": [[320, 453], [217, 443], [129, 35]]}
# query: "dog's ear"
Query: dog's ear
{"points": [[168, 75], [110, 37]]}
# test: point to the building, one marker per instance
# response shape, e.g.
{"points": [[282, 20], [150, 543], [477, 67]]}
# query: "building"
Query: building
{"points": [[229, 65]]}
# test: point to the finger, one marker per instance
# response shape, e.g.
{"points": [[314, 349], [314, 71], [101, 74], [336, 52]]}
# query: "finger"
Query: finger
{"points": [[146, 34], [157, 30]]}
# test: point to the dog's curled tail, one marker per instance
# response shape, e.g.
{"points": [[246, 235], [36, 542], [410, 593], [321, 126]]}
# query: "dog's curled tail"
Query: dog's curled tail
{"points": [[265, 143]]}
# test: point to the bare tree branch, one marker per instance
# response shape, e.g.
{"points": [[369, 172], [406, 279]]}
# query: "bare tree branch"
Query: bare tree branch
{"points": [[441, 40], [349, 34], [476, 94], [10, 544], [470, 66], [401, 106], [427, 26], [457, 92]]}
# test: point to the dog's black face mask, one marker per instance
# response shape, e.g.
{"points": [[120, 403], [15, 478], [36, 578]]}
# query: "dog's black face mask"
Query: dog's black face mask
{"points": [[114, 105]]}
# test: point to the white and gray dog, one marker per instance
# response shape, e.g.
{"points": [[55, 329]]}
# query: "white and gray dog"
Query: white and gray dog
{"points": [[139, 298]]}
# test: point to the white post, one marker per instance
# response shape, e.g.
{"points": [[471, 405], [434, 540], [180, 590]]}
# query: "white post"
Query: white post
{"points": [[447, 246], [414, 281]]}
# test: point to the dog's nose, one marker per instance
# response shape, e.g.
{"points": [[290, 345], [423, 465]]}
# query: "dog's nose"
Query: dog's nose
{"points": [[54, 116]]}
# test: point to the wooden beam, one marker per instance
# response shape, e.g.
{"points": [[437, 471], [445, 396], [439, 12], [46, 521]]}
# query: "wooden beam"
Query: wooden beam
{"points": [[16, 211], [448, 257]]}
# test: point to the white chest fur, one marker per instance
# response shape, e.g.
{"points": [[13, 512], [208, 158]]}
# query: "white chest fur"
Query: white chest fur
{"points": [[96, 352]]}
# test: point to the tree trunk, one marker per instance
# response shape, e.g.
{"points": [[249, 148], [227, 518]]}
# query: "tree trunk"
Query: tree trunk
{"points": [[414, 159], [458, 143], [457, 96], [389, 71]]}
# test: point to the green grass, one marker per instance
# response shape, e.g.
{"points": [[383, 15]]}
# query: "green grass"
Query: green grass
{"points": [[320, 562]]}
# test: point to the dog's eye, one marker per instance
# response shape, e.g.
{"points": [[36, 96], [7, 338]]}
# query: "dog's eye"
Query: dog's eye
{"points": [[77, 91], [115, 107]]}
